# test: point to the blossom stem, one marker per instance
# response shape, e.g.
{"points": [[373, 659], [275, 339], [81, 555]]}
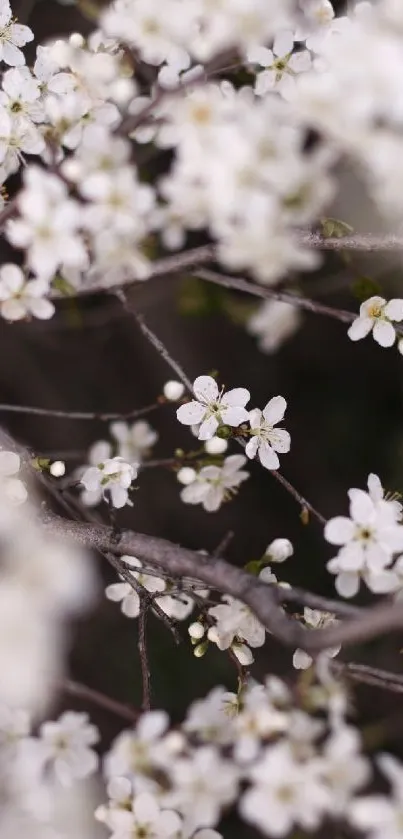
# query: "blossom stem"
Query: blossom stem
{"points": [[101, 699], [79, 415]]}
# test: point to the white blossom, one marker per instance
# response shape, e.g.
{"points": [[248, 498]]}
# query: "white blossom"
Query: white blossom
{"points": [[145, 818], [315, 619], [113, 478], [201, 786], [12, 37], [21, 298], [266, 440], [377, 315], [273, 324], [126, 594], [213, 485], [367, 540], [66, 746], [173, 390], [380, 815], [14, 489], [234, 623], [281, 65], [284, 793], [212, 407], [134, 441]]}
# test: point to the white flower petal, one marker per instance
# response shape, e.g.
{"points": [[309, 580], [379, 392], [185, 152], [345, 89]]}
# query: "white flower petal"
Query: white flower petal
{"points": [[191, 414], [384, 333], [275, 410], [205, 388]]}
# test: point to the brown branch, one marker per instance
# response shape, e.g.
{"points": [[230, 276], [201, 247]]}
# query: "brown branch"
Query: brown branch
{"points": [[271, 294], [143, 653], [369, 242], [101, 700], [220, 575]]}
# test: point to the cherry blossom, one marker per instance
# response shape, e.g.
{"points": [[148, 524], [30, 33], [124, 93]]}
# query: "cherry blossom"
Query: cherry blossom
{"points": [[66, 746], [279, 550], [377, 314], [266, 440], [315, 619], [273, 324], [281, 65], [123, 592], [12, 37], [368, 540], [21, 298], [285, 792], [213, 485], [212, 407], [14, 489], [113, 478]]}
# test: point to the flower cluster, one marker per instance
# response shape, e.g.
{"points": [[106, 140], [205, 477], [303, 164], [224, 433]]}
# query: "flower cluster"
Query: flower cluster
{"points": [[369, 541], [377, 315], [213, 409], [287, 769]]}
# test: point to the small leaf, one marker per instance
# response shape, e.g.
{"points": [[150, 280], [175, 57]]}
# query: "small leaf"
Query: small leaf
{"points": [[333, 228], [365, 287], [60, 283]]}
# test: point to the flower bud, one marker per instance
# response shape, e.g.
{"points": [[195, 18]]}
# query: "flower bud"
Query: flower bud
{"points": [[57, 469], [279, 550], [201, 649], [216, 445], [186, 475], [196, 631], [173, 390]]}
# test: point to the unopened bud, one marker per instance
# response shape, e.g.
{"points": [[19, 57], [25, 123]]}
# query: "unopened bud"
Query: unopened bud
{"points": [[279, 550], [201, 649], [57, 469], [186, 475], [173, 390], [216, 445], [196, 631]]}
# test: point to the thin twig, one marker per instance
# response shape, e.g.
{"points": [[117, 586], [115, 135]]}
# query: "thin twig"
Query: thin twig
{"points": [[142, 646], [271, 294], [128, 577], [362, 673], [223, 545], [156, 342], [304, 504], [126, 712], [356, 242], [79, 415]]}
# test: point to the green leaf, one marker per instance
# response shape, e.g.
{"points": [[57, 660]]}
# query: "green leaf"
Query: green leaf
{"points": [[333, 228], [59, 283], [365, 287]]}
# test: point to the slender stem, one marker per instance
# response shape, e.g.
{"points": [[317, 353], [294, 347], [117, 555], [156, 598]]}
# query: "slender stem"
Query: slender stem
{"points": [[78, 415], [364, 674], [101, 699], [156, 342], [143, 653], [305, 505], [271, 294]]}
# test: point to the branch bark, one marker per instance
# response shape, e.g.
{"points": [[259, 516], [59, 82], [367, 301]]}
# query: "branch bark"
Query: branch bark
{"points": [[220, 575]]}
